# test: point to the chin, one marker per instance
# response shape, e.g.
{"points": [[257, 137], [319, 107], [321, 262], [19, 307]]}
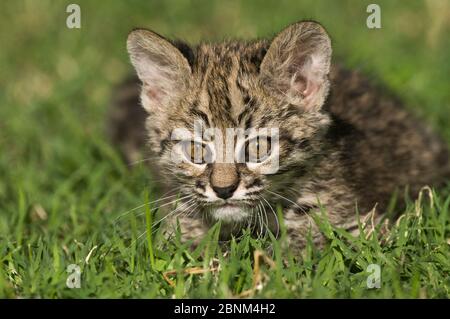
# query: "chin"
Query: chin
{"points": [[230, 213]]}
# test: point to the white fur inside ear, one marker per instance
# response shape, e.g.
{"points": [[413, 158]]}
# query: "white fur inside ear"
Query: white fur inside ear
{"points": [[159, 82], [160, 66], [297, 64], [309, 85]]}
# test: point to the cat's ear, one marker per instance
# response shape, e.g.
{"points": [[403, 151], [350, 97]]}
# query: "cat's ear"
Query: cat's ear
{"points": [[297, 64], [162, 68]]}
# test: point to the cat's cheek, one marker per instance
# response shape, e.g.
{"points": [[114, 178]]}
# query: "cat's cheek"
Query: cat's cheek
{"points": [[268, 167], [192, 170], [240, 193], [183, 164]]}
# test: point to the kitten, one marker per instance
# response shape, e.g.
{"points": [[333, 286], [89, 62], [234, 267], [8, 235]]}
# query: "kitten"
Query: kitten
{"points": [[343, 144]]}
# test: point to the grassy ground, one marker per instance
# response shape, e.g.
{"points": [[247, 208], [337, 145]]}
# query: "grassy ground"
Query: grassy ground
{"points": [[62, 186]]}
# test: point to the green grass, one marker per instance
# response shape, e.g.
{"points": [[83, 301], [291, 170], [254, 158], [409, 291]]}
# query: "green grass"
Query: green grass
{"points": [[62, 186]]}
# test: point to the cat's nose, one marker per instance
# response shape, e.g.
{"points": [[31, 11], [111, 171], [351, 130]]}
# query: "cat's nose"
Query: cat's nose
{"points": [[225, 192], [224, 179]]}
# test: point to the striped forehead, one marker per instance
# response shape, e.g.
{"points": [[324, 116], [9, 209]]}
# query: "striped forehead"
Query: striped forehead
{"points": [[222, 97]]}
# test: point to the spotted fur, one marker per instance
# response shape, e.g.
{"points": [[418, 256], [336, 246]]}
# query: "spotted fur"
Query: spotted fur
{"points": [[344, 143]]}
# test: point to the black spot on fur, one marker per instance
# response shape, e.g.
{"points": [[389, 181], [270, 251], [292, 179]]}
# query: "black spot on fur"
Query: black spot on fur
{"points": [[200, 184], [258, 57], [339, 129], [163, 144], [186, 50], [200, 114], [255, 183]]}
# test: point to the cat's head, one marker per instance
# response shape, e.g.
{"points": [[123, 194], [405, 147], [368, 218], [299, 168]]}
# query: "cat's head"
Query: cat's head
{"points": [[272, 91]]}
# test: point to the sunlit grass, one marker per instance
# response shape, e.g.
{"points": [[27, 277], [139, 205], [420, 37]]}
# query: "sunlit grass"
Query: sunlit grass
{"points": [[62, 185]]}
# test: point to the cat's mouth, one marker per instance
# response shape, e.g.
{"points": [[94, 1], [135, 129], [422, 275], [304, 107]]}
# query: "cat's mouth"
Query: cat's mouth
{"points": [[230, 212]]}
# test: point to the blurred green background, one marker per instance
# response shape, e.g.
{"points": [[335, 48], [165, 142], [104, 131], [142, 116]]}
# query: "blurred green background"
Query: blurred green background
{"points": [[61, 180], [56, 81]]}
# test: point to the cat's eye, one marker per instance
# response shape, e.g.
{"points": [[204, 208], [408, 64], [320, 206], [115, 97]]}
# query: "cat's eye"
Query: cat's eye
{"points": [[258, 149], [198, 153]]}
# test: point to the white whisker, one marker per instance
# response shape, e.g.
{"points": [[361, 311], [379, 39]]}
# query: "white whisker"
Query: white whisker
{"points": [[298, 206], [274, 215], [163, 205]]}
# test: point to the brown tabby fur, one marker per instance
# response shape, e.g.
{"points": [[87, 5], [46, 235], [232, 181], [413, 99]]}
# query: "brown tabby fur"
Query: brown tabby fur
{"points": [[352, 147]]}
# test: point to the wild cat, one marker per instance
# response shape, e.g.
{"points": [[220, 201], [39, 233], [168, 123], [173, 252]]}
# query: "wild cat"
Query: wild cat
{"points": [[343, 144]]}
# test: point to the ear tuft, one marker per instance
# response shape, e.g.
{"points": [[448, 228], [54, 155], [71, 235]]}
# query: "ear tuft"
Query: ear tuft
{"points": [[297, 64], [162, 68]]}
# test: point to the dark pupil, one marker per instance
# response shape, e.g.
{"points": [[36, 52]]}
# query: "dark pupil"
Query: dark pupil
{"points": [[197, 153], [254, 151]]}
